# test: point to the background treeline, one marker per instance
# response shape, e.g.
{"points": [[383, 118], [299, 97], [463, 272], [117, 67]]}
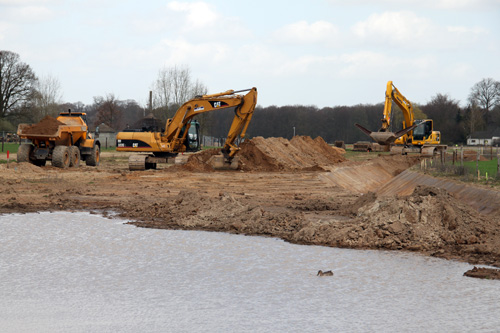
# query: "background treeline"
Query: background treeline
{"points": [[337, 123], [27, 98]]}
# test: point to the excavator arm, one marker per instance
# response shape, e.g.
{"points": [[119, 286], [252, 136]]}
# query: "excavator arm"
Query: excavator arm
{"points": [[162, 146], [392, 94], [243, 105], [384, 136]]}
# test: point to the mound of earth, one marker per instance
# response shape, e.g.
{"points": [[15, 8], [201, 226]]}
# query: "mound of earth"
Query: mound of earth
{"points": [[429, 217], [279, 154], [47, 126], [302, 153], [429, 220], [471, 155], [21, 167], [191, 209]]}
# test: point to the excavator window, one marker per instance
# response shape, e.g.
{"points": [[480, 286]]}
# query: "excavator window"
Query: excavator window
{"points": [[422, 131]]}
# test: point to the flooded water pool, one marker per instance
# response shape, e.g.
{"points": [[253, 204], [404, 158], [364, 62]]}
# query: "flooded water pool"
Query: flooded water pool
{"points": [[78, 272]]}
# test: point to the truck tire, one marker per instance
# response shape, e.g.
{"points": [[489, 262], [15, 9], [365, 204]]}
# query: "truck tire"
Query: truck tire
{"points": [[24, 152], [94, 157], [74, 153], [60, 157]]}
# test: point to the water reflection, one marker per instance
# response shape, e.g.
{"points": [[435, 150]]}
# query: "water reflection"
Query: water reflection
{"points": [[77, 272]]}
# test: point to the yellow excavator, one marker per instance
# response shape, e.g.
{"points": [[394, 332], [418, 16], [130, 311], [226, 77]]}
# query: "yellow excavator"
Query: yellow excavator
{"points": [[181, 133], [418, 137]]}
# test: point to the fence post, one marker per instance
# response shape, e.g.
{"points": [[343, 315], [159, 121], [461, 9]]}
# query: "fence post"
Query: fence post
{"points": [[477, 163], [498, 165], [462, 156]]}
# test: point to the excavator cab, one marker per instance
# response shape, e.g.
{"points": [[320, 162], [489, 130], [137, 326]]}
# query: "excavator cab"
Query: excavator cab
{"points": [[422, 131], [193, 140]]}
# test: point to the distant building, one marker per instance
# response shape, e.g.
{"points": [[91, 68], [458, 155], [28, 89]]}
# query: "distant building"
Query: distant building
{"points": [[489, 137], [106, 135]]}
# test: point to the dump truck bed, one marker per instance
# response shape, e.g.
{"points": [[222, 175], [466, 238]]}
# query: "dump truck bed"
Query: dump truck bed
{"points": [[52, 129]]}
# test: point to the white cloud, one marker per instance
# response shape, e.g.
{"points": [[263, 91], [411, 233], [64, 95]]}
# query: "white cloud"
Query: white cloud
{"points": [[24, 2], [302, 32], [431, 4], [28, 14], [198, 14], [400, 27], [408, 31], [4, 27]]}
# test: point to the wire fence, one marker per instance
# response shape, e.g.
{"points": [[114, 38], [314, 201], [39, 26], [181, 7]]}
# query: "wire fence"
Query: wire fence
{"points": [[472, 163]]}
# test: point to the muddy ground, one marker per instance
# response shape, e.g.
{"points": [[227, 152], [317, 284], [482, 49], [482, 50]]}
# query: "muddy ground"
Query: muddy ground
{"points": [[286, 189]]}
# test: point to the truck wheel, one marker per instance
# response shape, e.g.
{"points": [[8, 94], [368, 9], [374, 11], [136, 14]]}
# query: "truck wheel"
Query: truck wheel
{"points": [[74, 153], [24, 152], [94, 157], [60, 157]]}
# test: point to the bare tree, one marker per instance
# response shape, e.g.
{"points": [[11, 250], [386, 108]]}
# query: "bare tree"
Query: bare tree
{"points": [[474, 120], [485, 94], [198, 89], [172, 88], [47, 96], [108, 111], [17, 81]]}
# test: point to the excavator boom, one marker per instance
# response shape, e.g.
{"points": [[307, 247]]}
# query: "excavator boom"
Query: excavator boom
{"points": [[416, 133], [173, 139]]}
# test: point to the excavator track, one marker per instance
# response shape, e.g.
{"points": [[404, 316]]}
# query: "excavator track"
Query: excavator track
{"points": [[137, 162]]}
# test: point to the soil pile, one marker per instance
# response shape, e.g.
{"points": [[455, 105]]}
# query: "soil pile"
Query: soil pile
{"points": [[302, 153], [47, 126], [279, 154], [194, 211], [471, 155], [23, 167], [428, 219]]}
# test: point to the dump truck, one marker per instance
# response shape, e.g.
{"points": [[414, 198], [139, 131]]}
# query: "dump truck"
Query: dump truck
{"points": [[65, 141]]}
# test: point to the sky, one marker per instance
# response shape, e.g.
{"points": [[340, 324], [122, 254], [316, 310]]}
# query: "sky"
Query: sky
{"points": [[317, 52]]}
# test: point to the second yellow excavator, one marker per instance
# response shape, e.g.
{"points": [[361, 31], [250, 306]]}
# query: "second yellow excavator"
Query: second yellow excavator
{"points": [[418, 137], [178, 137]]}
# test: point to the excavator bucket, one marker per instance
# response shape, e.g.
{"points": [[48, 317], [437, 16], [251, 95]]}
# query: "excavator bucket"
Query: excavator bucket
{"points": [[219, 162], [385, 138]]}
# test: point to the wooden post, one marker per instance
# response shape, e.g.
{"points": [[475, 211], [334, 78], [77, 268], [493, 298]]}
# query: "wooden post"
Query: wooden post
{"points": [[477, 164], [498, 164], [462, 156]]}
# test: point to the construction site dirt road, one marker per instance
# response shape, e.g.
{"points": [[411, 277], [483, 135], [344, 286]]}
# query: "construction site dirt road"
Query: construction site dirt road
{"points": [[301, 190]]}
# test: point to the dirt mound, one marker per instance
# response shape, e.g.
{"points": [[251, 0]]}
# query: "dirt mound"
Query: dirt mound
{"points": [[471, 155], [279, 154], [24, 167], [192, 210], [46, 126], [429, 217], [198, 162], [302, 153]]}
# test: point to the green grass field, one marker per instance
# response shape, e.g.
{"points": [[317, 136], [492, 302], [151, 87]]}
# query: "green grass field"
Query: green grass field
{"points": [[489, 167], [11, 147]]}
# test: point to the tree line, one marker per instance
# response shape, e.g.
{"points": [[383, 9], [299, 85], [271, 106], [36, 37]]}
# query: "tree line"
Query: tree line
{"points": [[27, 98]]}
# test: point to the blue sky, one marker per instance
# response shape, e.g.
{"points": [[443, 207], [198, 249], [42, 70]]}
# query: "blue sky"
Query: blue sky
{"points": [[316, 52]]}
